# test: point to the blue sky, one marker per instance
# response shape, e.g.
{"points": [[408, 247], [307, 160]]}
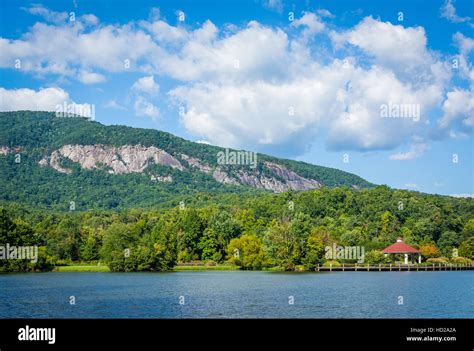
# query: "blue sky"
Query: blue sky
{"points": [[305, 80]]}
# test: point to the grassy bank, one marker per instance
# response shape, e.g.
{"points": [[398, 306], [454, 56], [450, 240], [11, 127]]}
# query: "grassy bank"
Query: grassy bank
{"points": [[81, 268], [207, 268], [95, 268]]}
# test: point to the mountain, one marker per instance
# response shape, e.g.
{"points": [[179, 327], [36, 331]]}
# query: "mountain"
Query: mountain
{"points": [[59, 162]]}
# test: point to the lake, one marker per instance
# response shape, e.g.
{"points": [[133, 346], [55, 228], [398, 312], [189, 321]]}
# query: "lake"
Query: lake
{"points": [[238, 294]]}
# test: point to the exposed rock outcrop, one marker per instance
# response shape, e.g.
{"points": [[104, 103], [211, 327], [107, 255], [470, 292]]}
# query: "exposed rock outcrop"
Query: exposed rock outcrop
{"points": [[293, 180], [136, 158], [123, 159]]}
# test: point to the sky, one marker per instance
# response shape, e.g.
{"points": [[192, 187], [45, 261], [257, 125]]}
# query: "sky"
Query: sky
{"points": [[382, 89]]}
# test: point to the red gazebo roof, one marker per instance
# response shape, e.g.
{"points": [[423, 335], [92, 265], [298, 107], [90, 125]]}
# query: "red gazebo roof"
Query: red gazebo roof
{"points": [[400, 247]]}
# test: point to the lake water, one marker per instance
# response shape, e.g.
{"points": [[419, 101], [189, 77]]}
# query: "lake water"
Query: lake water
{"points": [[238, 294]]}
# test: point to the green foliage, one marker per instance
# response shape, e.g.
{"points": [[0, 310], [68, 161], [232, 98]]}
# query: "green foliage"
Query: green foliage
{"points": [[209, 246], [376, 257], [466, 249], [17, 234], [314, 250], [447, 242], [247, 252], [34, 135], [134, 224]]}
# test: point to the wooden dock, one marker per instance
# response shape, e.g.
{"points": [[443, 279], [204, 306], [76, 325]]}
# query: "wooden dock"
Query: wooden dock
{"points": [[394, 267]]}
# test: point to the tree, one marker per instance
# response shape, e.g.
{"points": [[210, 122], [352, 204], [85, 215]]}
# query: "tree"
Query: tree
{"points": [[429, 251], [16, 232], [314, 250], [247, 252], [91, 244], [376, 257], [280, 245], [447, 242], [226, 229], [118, 247], [209, 246], [63, 242], [353, 237], [189, 232], [466, 249], [468, 230], [388, 227], [162, 245]]}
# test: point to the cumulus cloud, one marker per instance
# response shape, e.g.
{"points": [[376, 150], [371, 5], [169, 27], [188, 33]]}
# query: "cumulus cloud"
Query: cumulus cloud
{"points": [[311, 22], [90, 77], [458, 113], [259, 86], [465, 46], [113, 104], [47, 99], [344, 101], [416, 150], [143, 107], [400, 49], [146, 85]]}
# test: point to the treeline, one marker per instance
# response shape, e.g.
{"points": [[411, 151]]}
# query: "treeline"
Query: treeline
{"points": [[289, 230], [31, 136]]}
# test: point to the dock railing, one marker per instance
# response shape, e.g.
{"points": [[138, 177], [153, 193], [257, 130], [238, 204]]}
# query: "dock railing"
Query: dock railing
{"points": [[343, 267]]}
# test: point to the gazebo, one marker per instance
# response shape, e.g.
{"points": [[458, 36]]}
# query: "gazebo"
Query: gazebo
{"points": [[401, 248]]}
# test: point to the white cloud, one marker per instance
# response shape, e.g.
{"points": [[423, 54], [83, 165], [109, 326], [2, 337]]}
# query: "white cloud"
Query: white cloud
{"points": [[416, 150], [324, 13], [113, 104], [60, 18], [146, 85], [448, 11], [465, 46], [89, 19], [46, 14], [69, 50], [458, 113], [275, 5], [465, 195], [145, 108], [255, 52], [311, 22], [90, 77], [239, 83], [393, 46], [291, 113], [47, 99]]}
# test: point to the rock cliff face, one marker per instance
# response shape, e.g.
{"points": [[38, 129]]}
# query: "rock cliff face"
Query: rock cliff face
{"points": [[136, 158], [293, 180], [123, 159]]}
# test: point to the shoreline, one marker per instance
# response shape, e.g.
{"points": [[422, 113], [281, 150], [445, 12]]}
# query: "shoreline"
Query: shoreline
{"points": [[342, 268]]}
